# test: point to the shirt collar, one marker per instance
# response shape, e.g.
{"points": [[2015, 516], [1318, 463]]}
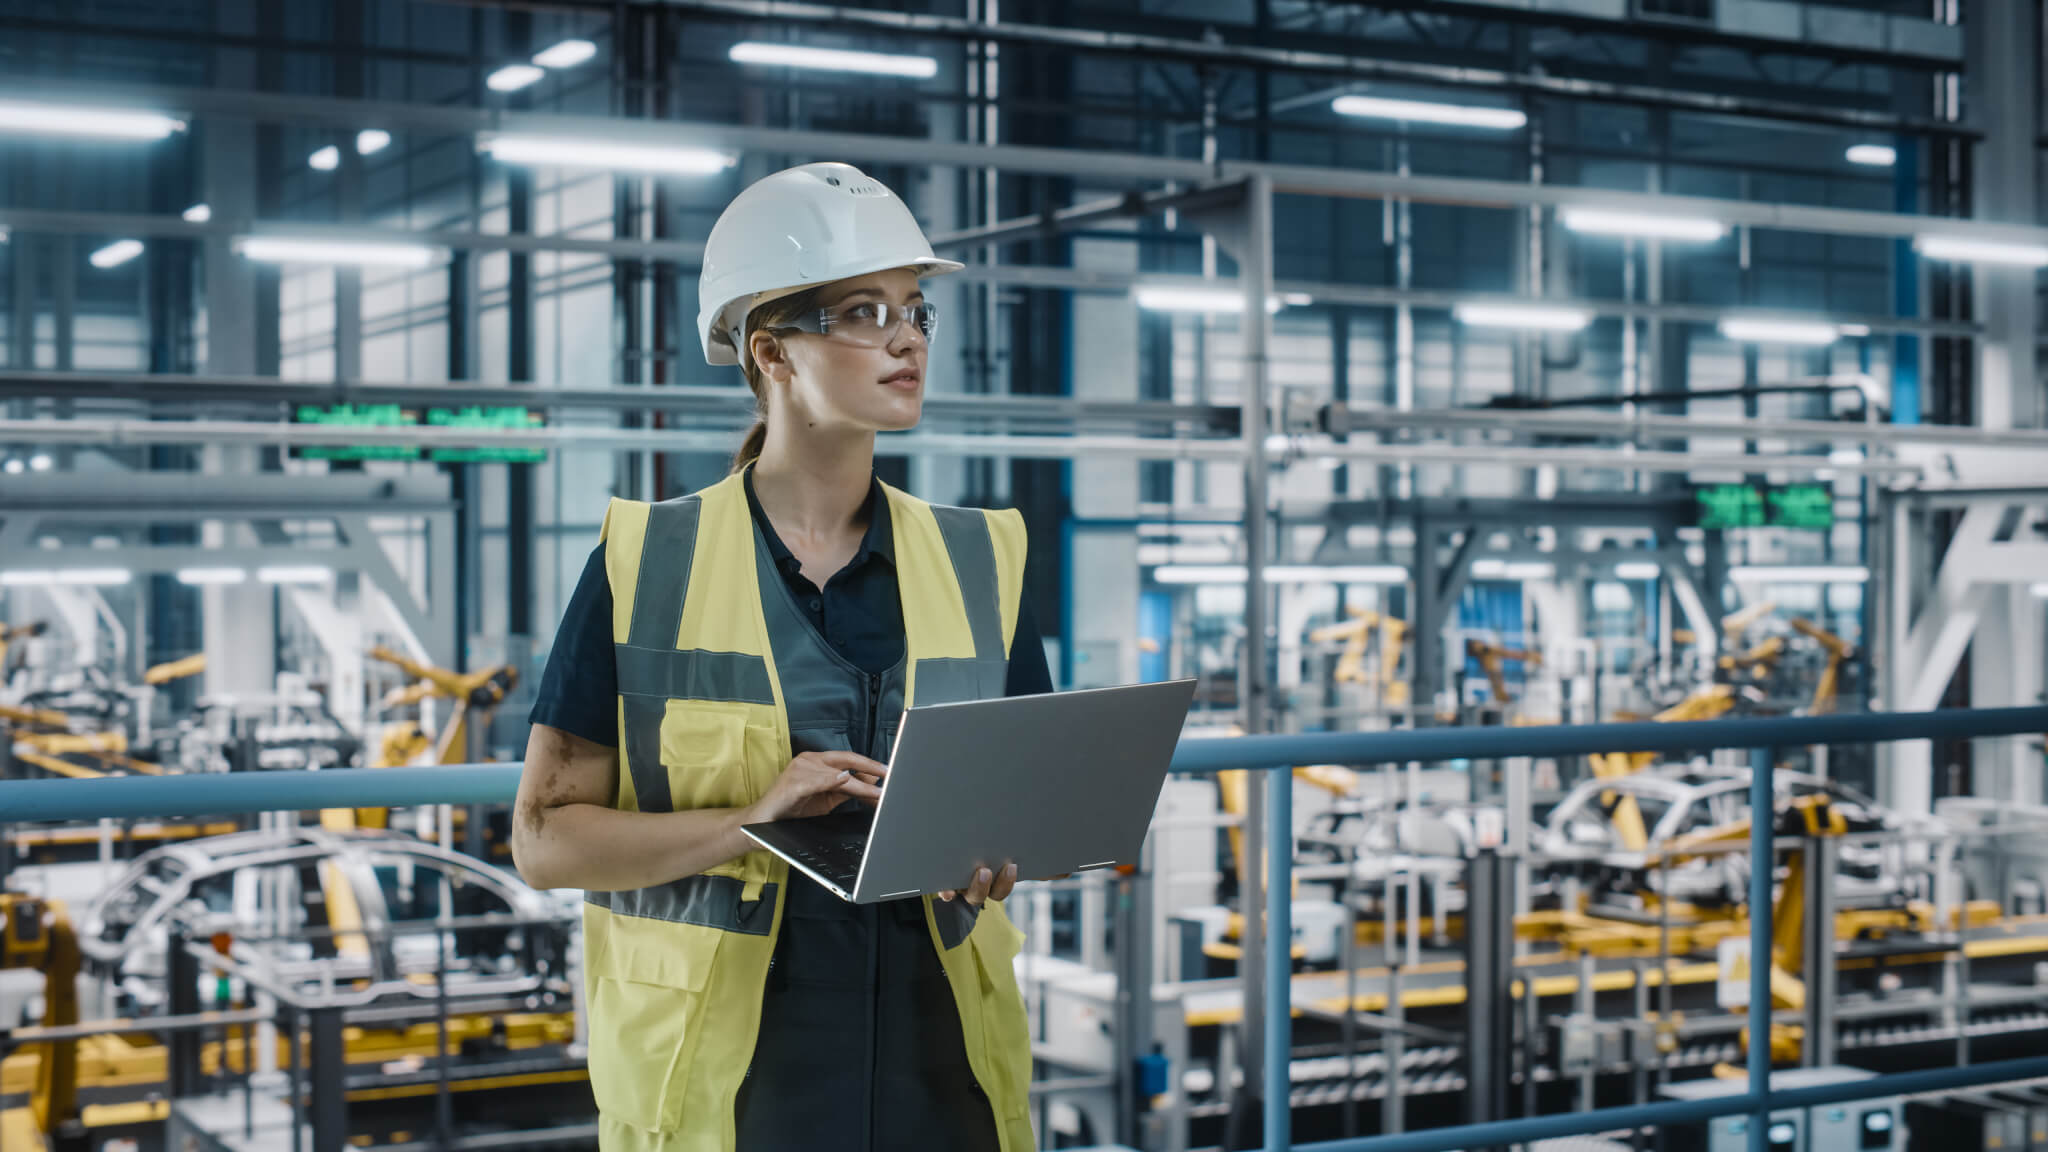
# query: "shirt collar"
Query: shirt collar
{"points": [[878, 541]]}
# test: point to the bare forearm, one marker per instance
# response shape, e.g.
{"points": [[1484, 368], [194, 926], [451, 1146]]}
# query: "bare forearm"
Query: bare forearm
{"points": [[606, 850]]}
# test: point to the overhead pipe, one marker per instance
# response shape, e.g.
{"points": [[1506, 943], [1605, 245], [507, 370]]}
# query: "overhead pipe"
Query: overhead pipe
{"points": [[105, 432], [1052, 413]]}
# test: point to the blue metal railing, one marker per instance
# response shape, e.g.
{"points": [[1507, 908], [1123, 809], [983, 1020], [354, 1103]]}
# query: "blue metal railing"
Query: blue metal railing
{"points": [[145, 797]]}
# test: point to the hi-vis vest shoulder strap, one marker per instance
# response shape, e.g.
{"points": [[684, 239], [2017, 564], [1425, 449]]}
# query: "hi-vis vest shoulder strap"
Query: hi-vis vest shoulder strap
{"points": [[675, 973]]}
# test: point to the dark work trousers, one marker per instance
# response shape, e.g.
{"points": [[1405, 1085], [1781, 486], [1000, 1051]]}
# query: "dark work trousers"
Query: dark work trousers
{"points": [[860, 1047]]}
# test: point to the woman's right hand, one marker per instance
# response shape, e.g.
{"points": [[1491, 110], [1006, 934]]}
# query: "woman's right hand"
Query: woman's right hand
{"points": [[817, 782]]}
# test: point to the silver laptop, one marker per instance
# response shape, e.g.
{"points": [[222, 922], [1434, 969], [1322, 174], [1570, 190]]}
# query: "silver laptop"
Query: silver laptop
{"points": [[1058, 783]]}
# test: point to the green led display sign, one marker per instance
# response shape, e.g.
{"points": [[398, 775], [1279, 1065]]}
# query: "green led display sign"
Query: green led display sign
{"points": [[1807, 506], [397, 416], [1730, 506], [1801, 506]]}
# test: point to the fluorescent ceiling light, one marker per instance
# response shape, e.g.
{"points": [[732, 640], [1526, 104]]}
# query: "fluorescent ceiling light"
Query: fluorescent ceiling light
{"points": [[1874, 155], [1192, 298], [513, 77], [14, 466], [1764, 330], [1494, 568], [1638, 570], [371, 141], [1799, 574], [102, 123], [1282, 574], [325, 160], [76, 577], [567, 54], [295, 574], [833, 60], [41, 462], [2041, 591], [1853, 329], [1199, 574], [1601, 222], [1429, 112], [1985, 251], [1537, 317], [116, 254], [569, 152], [1337, 574], [195, 577], [198, 214], [1296, 299], [287, 250]]}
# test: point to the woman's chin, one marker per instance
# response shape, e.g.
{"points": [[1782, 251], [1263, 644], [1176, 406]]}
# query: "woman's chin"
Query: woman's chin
{"points": [[900, 417]]}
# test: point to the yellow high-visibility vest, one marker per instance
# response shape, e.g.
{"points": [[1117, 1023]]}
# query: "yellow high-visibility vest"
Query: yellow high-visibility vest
{"points": [[675, 974]]}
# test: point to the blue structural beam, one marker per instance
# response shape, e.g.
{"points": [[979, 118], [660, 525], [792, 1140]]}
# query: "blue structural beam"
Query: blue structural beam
{"points": [[215, 794], [142, 797], [1427, 744], [1529, 1129], [1672, 1113]]}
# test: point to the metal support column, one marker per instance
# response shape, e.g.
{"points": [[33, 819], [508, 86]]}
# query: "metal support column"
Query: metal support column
{"points": [[181, 972], [1489, 986], [62, 252], [328, 1070], [1820, 973], [1761, 872], [22, 296], [1133, 1035]]}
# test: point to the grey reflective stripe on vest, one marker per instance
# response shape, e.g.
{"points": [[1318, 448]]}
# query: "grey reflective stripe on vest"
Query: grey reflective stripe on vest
{"points": [[642, 736], [955, 681], [652, 670], [974, 565], [955, 919], [666, 552], [709, 901], [665, 556], [692, 674]]}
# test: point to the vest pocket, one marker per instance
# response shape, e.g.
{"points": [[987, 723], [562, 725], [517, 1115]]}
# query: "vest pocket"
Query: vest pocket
{"points": [[704, 751], [649, 1008], [1004, 1026]]}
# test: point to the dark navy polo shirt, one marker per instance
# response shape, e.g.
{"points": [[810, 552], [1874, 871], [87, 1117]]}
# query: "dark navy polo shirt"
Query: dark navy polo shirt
{"points": [[858, 612]]}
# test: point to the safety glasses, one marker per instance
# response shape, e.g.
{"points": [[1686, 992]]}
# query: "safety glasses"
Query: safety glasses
{"points": [[870, 323]]}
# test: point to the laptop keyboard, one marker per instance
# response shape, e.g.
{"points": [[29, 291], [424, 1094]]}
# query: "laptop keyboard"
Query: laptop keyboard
{"points": [[835, 857]]}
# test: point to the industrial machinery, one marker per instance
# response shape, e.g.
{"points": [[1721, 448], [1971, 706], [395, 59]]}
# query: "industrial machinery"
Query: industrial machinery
{"points": [[355, 890], [1391, 633], [1491, 658], [9, 633], [37, 934], [475, 695]]}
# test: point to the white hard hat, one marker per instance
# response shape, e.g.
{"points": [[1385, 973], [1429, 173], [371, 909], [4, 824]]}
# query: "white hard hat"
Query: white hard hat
{"points": [[796, 229]]}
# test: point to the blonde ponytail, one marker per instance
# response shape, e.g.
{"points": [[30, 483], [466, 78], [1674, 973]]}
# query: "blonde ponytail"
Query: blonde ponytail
{"points": [[750, 448]]}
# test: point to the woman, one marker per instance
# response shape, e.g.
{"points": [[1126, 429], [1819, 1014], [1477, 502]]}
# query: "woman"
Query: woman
{"points": [[744, 654]]}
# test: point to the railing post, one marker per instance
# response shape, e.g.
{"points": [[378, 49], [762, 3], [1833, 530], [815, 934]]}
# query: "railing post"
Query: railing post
{"points": [[1279, 957], [1762, 870]]}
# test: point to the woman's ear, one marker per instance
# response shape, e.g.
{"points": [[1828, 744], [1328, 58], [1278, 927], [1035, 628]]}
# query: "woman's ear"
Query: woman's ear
{"points": [[769, 356]]}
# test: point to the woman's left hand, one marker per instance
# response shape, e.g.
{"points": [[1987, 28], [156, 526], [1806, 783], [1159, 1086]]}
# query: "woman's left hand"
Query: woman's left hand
{"points": [[987, 886]]}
